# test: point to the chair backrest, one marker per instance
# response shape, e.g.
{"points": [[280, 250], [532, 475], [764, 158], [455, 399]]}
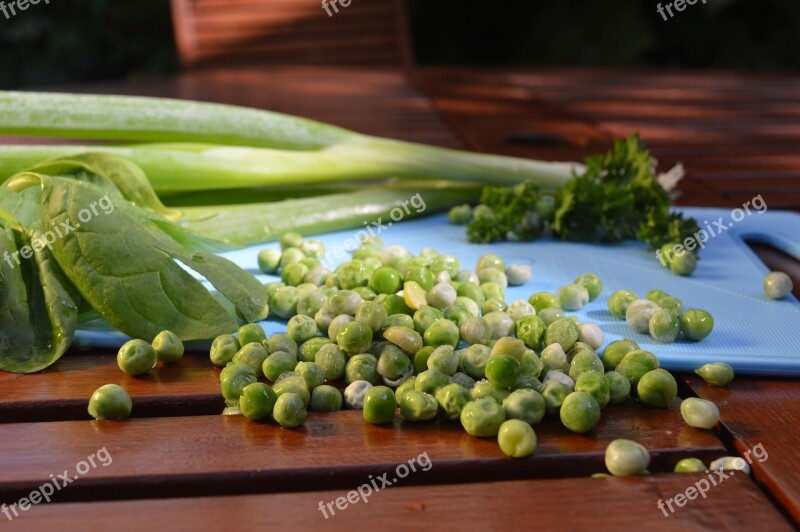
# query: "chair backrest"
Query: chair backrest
{"points": [[292, 31]]}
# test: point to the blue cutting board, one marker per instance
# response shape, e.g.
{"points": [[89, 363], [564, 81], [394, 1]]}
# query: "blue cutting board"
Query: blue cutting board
{"points": [[752, 333]]}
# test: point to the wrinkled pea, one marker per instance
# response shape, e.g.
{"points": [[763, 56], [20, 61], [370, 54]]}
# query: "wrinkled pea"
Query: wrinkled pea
{"points": [[482, 417], [418, 406], [525, 405], [452, 398]]}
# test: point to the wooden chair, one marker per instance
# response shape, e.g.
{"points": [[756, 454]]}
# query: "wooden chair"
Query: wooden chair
{"points": [[291, 31]]}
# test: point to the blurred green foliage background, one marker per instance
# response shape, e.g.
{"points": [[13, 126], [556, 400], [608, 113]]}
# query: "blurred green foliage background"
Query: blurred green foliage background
{"points": [[81, 40]]}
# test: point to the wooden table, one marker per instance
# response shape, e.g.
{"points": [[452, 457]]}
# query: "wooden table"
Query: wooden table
{"points": [[180, 465]]}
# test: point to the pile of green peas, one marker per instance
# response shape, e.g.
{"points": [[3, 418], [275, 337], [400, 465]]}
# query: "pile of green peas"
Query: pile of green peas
{"points": [[660, 315], [420, 334]]}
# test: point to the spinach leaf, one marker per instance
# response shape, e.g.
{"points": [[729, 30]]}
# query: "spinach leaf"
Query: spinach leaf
{"points": [[38, 306], [126, 266]]}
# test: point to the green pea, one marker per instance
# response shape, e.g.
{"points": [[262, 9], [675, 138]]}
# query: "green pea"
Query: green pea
{"points": [[405, 386], [543, 300], [657, 388], [516, 438], [494, 304], [573, 296], [408, 340], [452, 398], [716, 373], [619, 302], [447, 263], [459, 315], [289, 410], [425, 316], [518, 274], [233, 378], [656, 295], [312, 373], [354, 337], [577, 348], [281, 342], [554, 358], [500, 323], [502, 371], [474, 359], [431, 380], [554, 394], [291, 239], [619, 387], [418, 406], [301, 328], [257, 400], [472, 291], [396, 257], [592, 283], [690, 465], [168, 347], [493, 290], [307, 352], [482, 417], [111, 402], [580, 412], [373, 314], [284, 303], [490, 260], [386, 280], [366, 293], [525, 405], [331, 359], [394, 365], [696, 324], [684, 263], [485, 388], [311, 303], [294, 274], [531, 365], [442, 332], [253, 355], [595, 384], [272, 288], [520, 309], [635, 364], [222, 349], [251, 333], [777, 285], [664, 326], [421, 275], [345, 302], [352, 274], [269, 259], [336, 324], [397, 320], [509, 346], [379, 405], [421, 358], [639, 313], [491, 275], [292, 382], [563, 332], [136, 357], [584, 361], [626, 457], [616, 351], [549, 315], [699, 413], [460, 214], [672, 304], [326, 398], [362, 367], [278, 363], [444, 359], [531, 330]]}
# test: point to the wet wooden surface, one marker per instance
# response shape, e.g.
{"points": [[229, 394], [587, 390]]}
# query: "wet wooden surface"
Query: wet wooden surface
{"points": [[737, 136]]}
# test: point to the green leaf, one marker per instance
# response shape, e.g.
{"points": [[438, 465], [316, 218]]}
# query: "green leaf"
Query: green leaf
{"points": [[38, 309], [128, 269]]}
